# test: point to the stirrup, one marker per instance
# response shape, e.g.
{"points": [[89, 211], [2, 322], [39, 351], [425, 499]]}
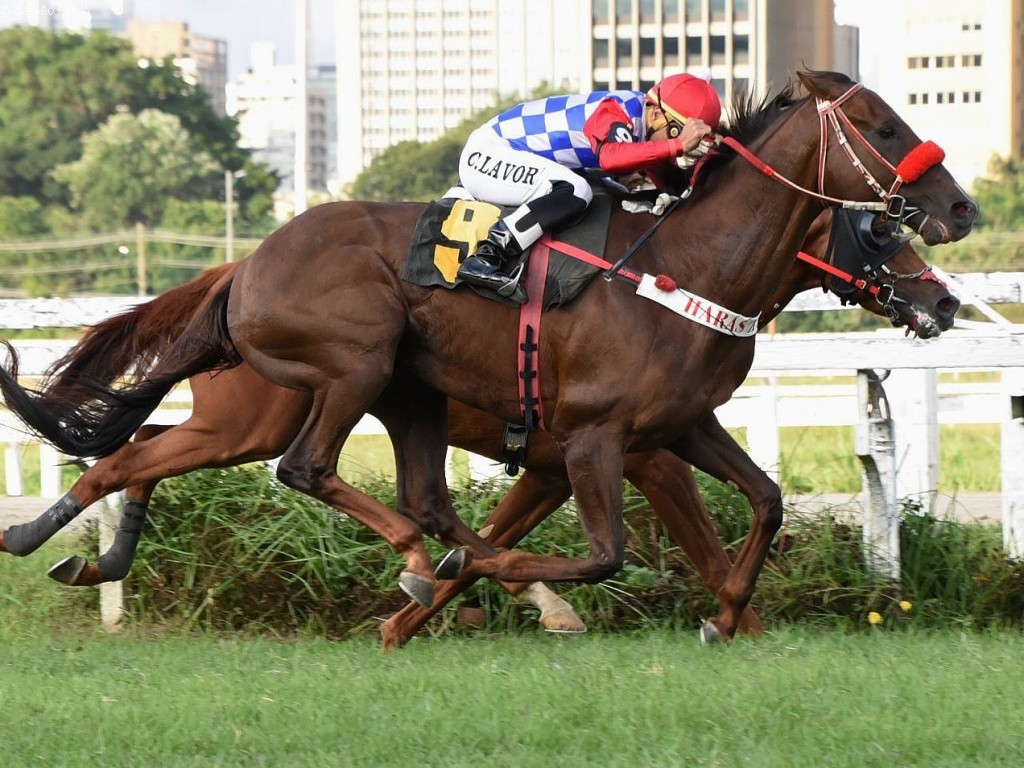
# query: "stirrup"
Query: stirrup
{"points": [[510, 287]]}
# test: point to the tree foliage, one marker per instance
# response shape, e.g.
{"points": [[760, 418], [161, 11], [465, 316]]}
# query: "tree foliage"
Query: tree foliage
{"points": [[57, 87], [131, 166]]}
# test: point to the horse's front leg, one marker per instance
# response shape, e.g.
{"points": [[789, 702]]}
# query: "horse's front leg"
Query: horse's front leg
{"points": [[669, 486], [594, 461], [711, 448]]}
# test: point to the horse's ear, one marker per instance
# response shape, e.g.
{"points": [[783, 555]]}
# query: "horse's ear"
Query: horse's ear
{"points": [[825, 85]]}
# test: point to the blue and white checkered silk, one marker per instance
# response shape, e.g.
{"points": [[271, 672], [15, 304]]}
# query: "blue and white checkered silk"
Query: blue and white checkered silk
{"points": [[553, 127]]}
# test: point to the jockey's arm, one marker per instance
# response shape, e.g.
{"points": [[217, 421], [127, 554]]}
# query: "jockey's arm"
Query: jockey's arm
{"points": [[611, 138]]}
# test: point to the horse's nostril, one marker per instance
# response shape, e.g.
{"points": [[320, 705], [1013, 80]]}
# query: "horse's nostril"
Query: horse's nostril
{"points": [[946, 308], [965, 210]]}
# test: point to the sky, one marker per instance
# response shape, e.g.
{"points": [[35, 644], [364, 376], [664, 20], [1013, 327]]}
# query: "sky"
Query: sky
{"points": [[239, 22], [243, 22]]}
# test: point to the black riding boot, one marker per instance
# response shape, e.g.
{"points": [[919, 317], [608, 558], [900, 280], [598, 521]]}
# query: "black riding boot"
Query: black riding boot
{"points": [[488, 267]]}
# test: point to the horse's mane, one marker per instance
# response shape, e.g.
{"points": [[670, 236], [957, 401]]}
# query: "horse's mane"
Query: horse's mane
{"points": [[752, 115]]}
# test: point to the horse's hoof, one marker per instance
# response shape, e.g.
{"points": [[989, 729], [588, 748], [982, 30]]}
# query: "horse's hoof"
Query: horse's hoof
{"points": [[451, 564], [563, 622], [68, 570], [709, 634], [419, 588]]}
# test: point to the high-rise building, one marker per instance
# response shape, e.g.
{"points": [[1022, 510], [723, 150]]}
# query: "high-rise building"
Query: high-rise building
{"points": [[203, 61], [414, 69], [956, 75], [750, 46], [263, 100]]}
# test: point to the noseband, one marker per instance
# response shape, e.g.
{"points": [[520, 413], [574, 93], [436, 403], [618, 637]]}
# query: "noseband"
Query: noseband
{"points": [[912, 167]]}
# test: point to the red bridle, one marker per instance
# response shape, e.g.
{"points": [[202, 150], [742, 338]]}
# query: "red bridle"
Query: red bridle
{"points": [[912, 167]]}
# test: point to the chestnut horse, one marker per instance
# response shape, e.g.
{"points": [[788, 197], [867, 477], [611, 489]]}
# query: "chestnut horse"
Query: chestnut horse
{"points": [[320, 306], [239, 417]]}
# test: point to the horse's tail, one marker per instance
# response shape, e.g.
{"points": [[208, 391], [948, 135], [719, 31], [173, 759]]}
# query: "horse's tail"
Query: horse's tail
{"points": [[125, 346], [95, 418]]}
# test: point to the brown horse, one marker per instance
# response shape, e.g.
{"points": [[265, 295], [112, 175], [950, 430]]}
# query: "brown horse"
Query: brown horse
{"points": [[320, 307], [239, 417]]}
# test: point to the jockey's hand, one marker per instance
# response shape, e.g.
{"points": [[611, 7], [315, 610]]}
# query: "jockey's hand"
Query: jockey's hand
{"points": [[635, 181], [694, 130]]}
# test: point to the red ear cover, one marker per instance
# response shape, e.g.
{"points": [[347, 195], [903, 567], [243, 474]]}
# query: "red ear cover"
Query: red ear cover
{"points": [[918, 160]]}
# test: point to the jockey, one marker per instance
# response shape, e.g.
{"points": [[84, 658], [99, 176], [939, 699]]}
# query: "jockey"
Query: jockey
{"points": [[529, 156]]}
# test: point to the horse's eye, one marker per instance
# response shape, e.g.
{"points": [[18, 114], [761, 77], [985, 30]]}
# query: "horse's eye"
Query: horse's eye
{"points": [[887, 132]]}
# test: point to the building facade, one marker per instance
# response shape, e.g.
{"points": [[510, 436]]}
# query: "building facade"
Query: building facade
{"points": [[750, 46], [414, 69], [957, 75], [263, 100], [203, 61]]}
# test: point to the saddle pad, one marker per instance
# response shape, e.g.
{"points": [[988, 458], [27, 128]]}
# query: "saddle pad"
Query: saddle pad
{"points": [[449, 229]]}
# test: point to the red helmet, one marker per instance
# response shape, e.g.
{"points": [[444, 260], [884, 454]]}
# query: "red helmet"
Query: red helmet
{"points": [[683, 96]]}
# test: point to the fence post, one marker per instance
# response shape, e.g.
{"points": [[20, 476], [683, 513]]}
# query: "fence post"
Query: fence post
{"points": [[1012, 448], [913, 394], [111, 592], [875, 447]]}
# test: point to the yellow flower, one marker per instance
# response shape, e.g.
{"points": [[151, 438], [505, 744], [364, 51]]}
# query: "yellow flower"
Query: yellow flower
{"points": [[874, 617], [905, 605]]}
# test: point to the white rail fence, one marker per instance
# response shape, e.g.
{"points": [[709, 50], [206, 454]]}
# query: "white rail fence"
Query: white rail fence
{"points": [[896, 416]]}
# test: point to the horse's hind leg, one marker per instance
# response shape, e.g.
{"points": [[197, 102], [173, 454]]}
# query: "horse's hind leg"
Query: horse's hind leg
{"points": [[310, 465], [713, 450], [107, 476], [669, 486], [237, 417]]}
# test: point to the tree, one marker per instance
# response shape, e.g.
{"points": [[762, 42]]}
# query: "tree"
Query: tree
{"points": [[57, 87], [132, 166]]}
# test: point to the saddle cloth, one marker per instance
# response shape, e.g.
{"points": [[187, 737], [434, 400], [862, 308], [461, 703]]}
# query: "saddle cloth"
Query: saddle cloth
{"points": [[449, 229]]}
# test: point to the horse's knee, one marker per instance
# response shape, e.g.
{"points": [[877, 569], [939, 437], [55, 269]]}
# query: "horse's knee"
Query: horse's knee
{"points": [[768, 509], [300, 476], [603, 564]]}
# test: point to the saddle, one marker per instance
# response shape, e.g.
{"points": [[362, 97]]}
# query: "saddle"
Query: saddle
{"points": [[449, 229]]}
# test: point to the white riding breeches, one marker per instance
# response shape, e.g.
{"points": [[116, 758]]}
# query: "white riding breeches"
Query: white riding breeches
{"points": [[496, 172]]}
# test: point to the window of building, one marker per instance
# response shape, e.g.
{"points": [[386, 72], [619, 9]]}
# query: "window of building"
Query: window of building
{"points": [[600, 85], [924, 98], [623, 11], [623, 85], [694, 45], [601, 53], [970, 60], [624, 52], [670, 51], [600, 12], [741, 10], [717, 50], [741, 50], [694, 11], [647, 57], [717, 10], [647, 12], [740, 88], [670, 11]]}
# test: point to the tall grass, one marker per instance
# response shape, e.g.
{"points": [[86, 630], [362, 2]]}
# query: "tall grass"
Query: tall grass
{"points": [[233, 550]]}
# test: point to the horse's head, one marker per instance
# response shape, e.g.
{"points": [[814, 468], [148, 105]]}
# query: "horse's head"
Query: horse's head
{"points": [[882, 154], [882, 274]]}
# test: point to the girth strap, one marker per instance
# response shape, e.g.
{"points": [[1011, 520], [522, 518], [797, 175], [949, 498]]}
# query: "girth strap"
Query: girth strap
{"points": [[528, 360]]}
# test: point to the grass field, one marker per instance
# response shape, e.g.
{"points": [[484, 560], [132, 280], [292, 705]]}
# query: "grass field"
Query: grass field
{"points": [[73, 696], [792, 698]]}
